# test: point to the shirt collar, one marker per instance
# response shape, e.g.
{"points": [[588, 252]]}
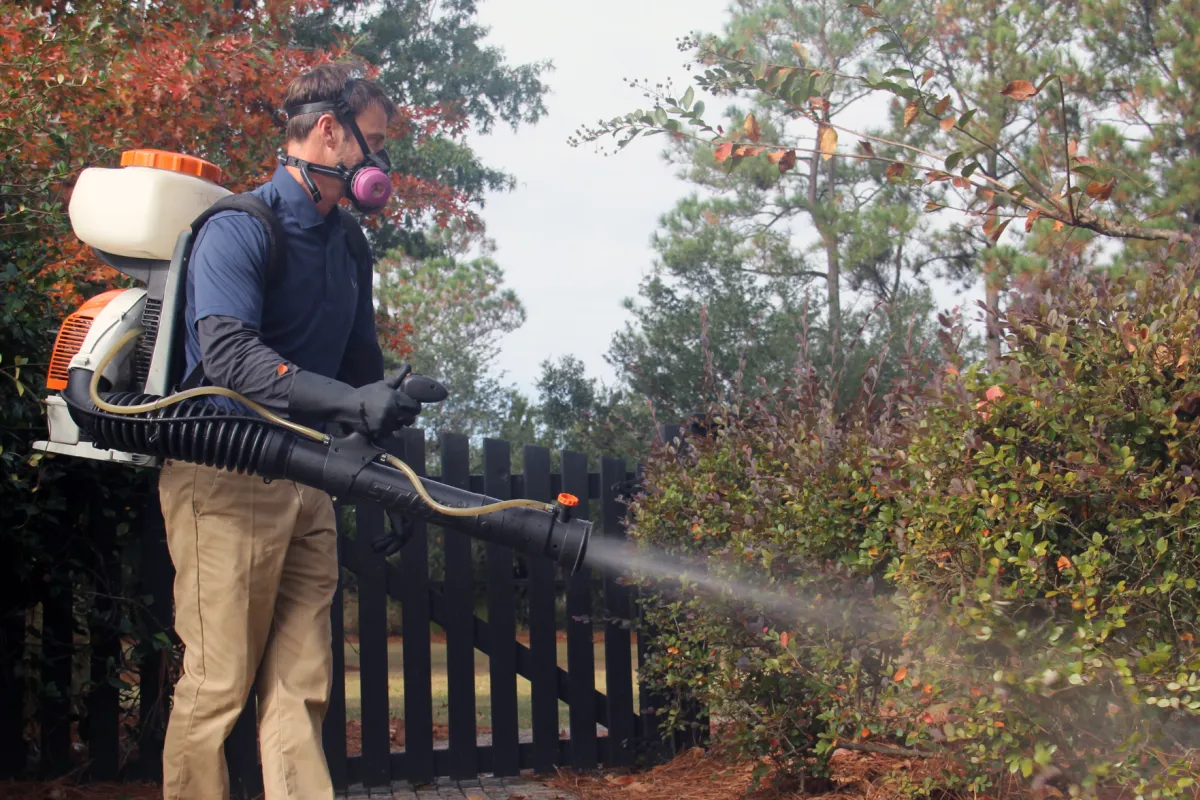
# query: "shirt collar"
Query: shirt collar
{"points": [[297, 199]]}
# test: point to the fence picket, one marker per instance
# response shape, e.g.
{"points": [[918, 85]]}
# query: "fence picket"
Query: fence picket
{"points": [[580, 656], [54, 720], [154, 695], [103, 704], [502, 620], [241, 753], [372, 644], [617, 652], [333, 728], [460, 622], [542, 645], [418, 669], [12, 694]]}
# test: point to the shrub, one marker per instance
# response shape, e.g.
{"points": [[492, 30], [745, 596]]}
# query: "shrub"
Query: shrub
{"points": [[995, 569]]}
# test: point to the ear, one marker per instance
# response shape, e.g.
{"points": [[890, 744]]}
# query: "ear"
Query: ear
{"points": [[326, 127]]}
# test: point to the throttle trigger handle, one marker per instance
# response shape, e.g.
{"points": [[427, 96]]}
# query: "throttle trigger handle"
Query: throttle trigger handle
{"points": [[423, 389]]}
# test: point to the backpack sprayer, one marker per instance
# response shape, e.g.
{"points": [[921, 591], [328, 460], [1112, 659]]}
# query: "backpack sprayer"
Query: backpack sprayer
{"points": [[119, 358]]}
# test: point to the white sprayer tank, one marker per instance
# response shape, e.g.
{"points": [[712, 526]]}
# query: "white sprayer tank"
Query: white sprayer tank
{"points": [[139, 209]]}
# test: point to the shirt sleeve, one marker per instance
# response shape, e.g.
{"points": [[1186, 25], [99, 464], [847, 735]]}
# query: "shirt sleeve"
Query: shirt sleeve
{"points": [[362, 363], [228, 267], [235, 357]]}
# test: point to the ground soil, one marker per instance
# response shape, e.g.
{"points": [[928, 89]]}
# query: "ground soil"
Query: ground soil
{"points": [[693, 775]]}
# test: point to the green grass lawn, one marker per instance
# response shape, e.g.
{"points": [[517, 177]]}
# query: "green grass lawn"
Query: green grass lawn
{"points": [[483, 706]]}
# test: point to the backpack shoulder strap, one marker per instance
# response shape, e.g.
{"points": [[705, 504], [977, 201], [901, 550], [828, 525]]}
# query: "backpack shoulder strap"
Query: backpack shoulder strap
{"points": [[258, 208], [356, 240]]}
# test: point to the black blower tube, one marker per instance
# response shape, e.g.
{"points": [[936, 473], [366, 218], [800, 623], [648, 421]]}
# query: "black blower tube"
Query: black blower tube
{"points": [[197, 432]]}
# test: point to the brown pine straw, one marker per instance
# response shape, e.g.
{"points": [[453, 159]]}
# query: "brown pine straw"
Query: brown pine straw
{"points": [[700, 775]]}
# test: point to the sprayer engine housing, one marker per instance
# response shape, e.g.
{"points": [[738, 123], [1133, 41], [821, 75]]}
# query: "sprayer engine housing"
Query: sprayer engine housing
{"points": [[153, 367]]}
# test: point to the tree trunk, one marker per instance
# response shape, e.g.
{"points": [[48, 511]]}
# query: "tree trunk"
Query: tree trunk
{"points": [[992, 281], [992, 288], [824, 218]]}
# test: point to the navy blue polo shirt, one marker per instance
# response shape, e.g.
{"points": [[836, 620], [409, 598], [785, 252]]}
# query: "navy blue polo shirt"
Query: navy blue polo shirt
{"points": [[320, 316]]}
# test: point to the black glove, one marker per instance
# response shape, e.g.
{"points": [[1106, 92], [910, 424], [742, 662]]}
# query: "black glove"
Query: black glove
{"points": [[377, 409]]}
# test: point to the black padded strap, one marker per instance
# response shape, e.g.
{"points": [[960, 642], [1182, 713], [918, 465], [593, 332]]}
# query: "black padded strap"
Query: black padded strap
{"points": [[256, 207]]}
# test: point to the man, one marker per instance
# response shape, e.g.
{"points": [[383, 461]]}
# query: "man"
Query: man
{"points": [[256, 562]]}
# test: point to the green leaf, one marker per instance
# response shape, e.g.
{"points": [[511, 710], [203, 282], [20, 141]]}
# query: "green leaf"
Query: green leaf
{"points": [[964, 119], [1161, 545], [698, 109], [660, 116], [953, 160], [688, 96]]}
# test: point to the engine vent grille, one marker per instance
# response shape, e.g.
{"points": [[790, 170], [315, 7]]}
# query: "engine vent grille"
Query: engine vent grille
{"points": [[151, 315], [70, 339]]}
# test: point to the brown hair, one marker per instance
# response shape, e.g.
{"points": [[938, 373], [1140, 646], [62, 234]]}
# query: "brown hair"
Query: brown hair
{"points": [[325, 84]]}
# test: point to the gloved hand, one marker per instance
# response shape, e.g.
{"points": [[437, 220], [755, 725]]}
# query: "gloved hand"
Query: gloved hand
{"points": [[383, 408], [377, 409]]}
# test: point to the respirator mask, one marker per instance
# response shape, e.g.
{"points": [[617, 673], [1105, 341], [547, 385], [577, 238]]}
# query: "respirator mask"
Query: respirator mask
{"points": [[367, 183]]}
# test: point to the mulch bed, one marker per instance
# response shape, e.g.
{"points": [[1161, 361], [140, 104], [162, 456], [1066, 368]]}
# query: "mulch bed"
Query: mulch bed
{"points": [[700, 775]]}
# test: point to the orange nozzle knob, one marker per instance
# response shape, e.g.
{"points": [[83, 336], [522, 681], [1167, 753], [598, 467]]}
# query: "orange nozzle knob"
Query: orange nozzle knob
{"points": [[568, 500]]}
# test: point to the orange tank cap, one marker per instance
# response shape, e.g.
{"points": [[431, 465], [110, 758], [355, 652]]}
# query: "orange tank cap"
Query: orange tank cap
{"points": [[568, 500], [175, 162]]}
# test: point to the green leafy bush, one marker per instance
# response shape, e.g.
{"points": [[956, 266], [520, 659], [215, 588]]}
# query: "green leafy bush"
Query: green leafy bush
{"points": [[995, 570]]}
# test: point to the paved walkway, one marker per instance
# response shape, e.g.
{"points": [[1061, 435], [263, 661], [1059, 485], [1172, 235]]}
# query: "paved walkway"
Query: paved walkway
{"points": [[483, 788]]}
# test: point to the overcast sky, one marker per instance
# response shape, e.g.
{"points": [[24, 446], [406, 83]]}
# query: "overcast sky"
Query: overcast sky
{"points": [[574, 237]]}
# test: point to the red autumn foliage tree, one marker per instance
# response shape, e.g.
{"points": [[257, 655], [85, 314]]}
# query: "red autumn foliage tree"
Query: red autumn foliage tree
{"points": [[91, 79]]}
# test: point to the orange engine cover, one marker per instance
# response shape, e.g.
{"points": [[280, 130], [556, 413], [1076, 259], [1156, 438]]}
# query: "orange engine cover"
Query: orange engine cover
{"points": [[71, 335]]}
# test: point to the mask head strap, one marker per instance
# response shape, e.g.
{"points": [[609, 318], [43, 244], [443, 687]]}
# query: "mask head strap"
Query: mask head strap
{"points": [[340, 108]]}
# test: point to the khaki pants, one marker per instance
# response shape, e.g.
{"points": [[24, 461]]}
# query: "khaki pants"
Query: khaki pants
{"points": [[256, 571]]}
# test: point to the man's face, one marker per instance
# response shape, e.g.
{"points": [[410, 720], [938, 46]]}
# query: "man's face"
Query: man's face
{"points": [[373, 124]]}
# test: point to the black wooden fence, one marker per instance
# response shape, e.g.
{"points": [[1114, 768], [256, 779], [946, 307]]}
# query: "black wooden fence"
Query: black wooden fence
{"points": [[605, 728]]}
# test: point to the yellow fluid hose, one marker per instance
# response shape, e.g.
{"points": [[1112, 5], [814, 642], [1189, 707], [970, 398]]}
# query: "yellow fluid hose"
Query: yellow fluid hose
{"points": [[270, 416]]}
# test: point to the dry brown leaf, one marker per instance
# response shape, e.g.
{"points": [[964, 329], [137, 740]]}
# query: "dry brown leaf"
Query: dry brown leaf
{"points": [[751, 129], [910, 113], [829, 140], [866, 147], [894, 171], [1019, 90], [819, 103], [900, 675], [788, 161], [723, 152], [1029, 220], [942, 105], [1101, 191], [948, 123], [867, 11], [928, 74]]}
